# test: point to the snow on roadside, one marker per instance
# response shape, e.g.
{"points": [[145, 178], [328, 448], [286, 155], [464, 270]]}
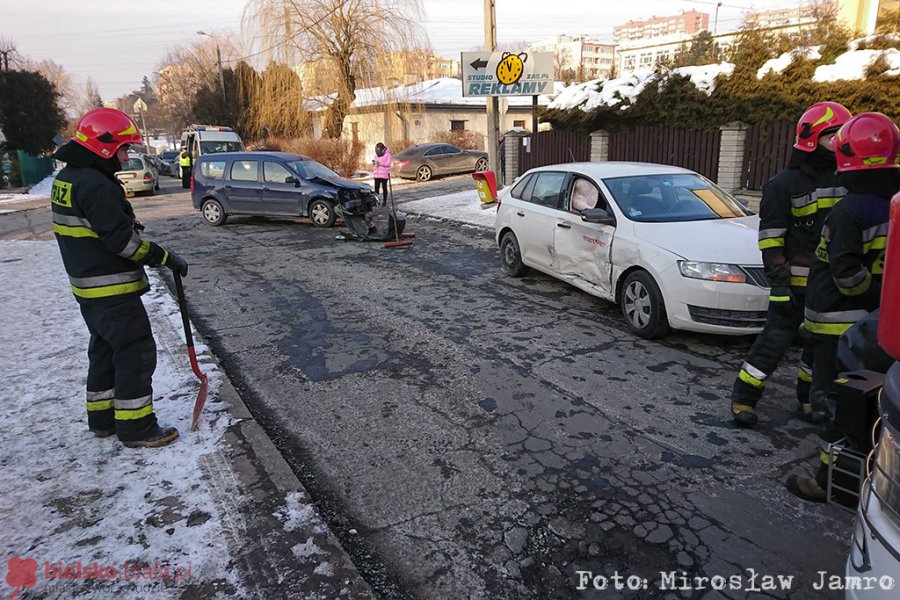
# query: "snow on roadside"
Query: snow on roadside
{"points": [[464, 207], [71, 497], [38, 191]]}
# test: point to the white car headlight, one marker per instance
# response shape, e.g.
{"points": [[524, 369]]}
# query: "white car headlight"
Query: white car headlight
{"points": [[711, 271]]}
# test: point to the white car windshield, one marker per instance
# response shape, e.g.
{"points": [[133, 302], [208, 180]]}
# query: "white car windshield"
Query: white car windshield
{"points": [[672, 197]]}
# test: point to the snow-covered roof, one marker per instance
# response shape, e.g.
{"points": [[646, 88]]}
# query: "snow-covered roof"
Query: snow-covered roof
{"points": [[610, 92], [442, 91]]}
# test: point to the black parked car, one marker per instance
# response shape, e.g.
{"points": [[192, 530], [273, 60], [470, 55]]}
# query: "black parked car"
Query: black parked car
{"points": [[424, 161], [272, 184]]}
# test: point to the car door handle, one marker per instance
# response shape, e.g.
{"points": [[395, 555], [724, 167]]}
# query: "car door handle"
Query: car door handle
{"points": [[520, 213], [267, 188], [564, 226], [227, 187]]}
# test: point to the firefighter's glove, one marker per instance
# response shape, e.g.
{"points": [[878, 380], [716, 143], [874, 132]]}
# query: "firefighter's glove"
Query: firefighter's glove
{"points": [[137, 226], [176, 263]]}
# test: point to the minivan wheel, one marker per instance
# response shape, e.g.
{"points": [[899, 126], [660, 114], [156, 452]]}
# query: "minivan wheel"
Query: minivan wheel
{"points": [[213, 212], [481, 165], [423, 173], [321, 213], [511, 255], [642, 306]]}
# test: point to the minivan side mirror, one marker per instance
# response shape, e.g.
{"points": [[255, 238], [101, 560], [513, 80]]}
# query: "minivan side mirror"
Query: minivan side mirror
{"points": [[292, 179], [598, 215]]}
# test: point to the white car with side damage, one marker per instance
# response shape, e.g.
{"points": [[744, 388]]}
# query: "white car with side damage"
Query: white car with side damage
{"points": [[666, 244]]}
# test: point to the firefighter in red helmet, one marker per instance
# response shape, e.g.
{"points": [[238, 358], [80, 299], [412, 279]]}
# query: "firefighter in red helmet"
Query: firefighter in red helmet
{"points": [[845, 278], [793, 207], [104, 256]]}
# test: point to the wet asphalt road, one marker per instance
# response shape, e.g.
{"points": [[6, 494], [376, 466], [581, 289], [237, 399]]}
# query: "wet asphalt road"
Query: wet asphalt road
{"points": [[489, 437]]}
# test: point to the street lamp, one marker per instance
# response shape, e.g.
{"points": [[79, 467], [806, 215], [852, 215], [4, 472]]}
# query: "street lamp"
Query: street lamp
{"points": [[716, 22], [219, 59]]}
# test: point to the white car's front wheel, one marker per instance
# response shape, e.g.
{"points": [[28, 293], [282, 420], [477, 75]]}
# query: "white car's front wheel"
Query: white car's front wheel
{"points": [[642, 306]]}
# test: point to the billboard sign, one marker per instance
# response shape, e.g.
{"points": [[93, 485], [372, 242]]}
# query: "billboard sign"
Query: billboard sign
{"points": [[507, 74]]}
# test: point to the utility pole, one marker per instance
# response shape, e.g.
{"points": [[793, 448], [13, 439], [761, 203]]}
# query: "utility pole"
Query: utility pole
{"points": [[219, 60], [493, 109]]}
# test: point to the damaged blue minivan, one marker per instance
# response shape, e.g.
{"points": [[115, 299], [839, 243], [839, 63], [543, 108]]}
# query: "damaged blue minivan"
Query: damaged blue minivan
{"points": [[275, 184]]}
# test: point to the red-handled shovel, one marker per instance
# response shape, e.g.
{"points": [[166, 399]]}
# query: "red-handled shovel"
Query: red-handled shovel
{"points": [[204, 382]]}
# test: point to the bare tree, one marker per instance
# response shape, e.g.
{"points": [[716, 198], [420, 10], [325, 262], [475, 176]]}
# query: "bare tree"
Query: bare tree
{"points": [[183, 71], [65, 83], [8, 54], [341, 38]]}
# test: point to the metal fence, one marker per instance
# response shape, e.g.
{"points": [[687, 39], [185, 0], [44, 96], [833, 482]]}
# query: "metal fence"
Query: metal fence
{"points": [[554, 147], [767, 149], [33, 169], [692, 149]]}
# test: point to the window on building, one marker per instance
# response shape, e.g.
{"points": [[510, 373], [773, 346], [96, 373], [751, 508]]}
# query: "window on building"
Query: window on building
{"points": [[519, 123], [646, 59], [457, 125]]}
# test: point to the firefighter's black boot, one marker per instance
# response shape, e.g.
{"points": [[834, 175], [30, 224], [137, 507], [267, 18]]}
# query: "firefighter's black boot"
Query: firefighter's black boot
{"points": [[160, 436], [806, 488], [812, 489], [743, 414], [812, 415]]}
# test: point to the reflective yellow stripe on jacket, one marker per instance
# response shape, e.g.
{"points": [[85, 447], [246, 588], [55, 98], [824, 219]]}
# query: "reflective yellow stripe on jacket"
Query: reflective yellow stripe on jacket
{"points": [[104, 286], [771, 238]]}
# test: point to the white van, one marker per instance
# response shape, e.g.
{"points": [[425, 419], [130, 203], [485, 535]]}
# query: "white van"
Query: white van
{"points": [[209, 139]]}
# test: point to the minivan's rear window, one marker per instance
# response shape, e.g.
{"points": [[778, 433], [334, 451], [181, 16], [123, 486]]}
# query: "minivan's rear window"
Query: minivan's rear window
{"points": [[133, 164], [244, 170], [213, 169]]}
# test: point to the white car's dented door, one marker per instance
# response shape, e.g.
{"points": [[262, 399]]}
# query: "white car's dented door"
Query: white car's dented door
{"points": [[582, 252]]}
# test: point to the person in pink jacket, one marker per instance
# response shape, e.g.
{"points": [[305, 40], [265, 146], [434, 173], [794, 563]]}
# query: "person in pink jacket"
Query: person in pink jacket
{"points": [[382, 173]]}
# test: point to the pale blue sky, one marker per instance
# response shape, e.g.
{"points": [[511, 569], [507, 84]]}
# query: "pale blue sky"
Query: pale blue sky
{"points": [[118, 42]]}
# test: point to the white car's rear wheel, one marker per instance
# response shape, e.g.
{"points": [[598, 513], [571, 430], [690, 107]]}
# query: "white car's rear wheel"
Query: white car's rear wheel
{"points": [[642, 306], [511, 255]]}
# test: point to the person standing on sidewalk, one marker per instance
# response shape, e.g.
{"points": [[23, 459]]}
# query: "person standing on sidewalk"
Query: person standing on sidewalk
{"points": [[104, 256], [793, 206], [185, 162], [382, 173], [846, 275]]}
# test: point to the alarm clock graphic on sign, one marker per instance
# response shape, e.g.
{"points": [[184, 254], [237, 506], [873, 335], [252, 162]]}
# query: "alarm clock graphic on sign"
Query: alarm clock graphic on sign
{"points": [[511, 67]]}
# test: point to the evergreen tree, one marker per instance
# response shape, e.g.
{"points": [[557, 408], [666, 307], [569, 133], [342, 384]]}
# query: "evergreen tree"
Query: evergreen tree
{"points": [[30, 114]]}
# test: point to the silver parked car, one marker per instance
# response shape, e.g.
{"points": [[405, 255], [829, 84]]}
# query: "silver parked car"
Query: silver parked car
{"points": [[139, 175], [424, 161]]}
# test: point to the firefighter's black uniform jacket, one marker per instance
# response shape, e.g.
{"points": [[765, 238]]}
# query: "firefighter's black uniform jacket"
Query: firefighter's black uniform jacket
{"points": [[792, 211], [95, 227], [104, 256], [845, 283]]}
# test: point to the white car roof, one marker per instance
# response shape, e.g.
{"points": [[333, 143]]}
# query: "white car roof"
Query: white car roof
{"points": [[601, 170]]}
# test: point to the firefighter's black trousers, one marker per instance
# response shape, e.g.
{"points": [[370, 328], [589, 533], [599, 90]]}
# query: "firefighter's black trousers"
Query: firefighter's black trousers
{"points": [[783, 321], [122, 357]]}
